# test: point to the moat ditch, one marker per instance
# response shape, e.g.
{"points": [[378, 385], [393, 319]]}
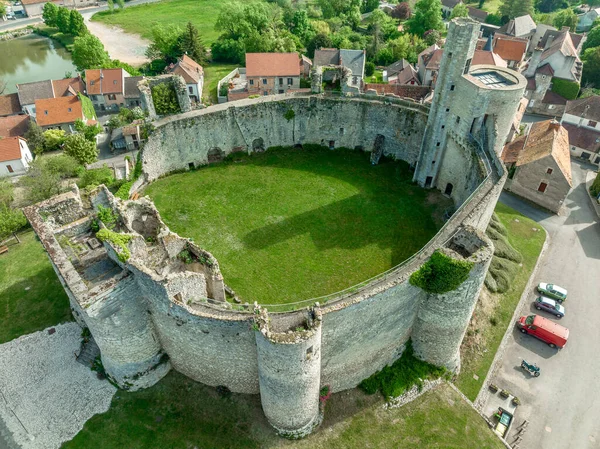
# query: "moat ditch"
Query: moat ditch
{"points": [[289, 224]]}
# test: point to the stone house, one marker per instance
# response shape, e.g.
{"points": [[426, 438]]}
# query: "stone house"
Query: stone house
{"points": [[477, 14], [10, 105], [582, 121], [511, 49], [272, 73], [428, 63], [401, 72], [586, 20], [106, 88], [448, 6], [127, 137], [192, 73], [29, 93], [14, 156], [305, 66], [558, 51], [132, 92], [14, 125], [539, 165], [523, 27], [59, 113], [539, 93], [348, 60]]}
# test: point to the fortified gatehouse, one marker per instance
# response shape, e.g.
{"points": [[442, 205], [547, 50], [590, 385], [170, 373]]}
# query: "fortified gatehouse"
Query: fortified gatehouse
{"points": [[149, 311]]}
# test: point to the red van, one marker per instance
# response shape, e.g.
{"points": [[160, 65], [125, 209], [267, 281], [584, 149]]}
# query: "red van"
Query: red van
{"points": [[548, 331]]}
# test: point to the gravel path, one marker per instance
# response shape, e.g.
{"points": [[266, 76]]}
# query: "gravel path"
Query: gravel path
{"points": [[45, 395]]}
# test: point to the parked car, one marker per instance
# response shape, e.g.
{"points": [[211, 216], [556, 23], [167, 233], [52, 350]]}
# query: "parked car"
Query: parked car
{"points": [[548, 331], [549, 305], [552, 291]]}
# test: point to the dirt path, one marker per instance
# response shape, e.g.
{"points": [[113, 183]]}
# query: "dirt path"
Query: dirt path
{"points": [[125, 47]]}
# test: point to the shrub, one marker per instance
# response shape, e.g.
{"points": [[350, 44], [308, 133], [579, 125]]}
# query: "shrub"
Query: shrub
{"points": [[123, 191], [441, 273], [53, 139], [107, 216], [119, 241], [564, 88], [595, 187], [165, 99], [369, 69], [395, 379], [11, 220], [96, 176], [289, 114], [84, 151], [62, 165]]}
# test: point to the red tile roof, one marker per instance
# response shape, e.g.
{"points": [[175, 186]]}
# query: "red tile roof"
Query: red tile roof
{"points": [[104, 81], [488, 57], [510, 49], [13, 126], [188, 69], [583, 137], [9, 104], [272, 64], [10, 150], [55, 111], [67, 86]]}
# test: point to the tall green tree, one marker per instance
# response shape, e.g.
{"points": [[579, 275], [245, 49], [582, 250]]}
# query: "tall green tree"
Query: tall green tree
{"points": [[547, 6], [35, 137], [81, 149], [566, 18], [121, 4], [63, 19], [39, 182], [2, 9], [593, 39], [50, 14], [7, 189], [460, 10], [11, 220], [165, 43], [76, 24], [427, 16], [111, 5], [89, 131], [591, 67], [369, 5], [53, 139], [88, 52], [191, 44], [515, 8]]}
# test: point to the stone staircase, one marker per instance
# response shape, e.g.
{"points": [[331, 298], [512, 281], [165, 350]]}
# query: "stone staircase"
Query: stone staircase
{"points": [[88, 353]]}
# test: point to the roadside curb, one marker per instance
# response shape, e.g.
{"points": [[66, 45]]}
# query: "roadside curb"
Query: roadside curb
{"points": [[484, 392]]}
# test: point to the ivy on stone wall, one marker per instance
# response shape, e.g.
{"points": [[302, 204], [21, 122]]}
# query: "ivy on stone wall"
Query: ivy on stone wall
{"points": [[120, 241], [165, 99], [441, 273]]}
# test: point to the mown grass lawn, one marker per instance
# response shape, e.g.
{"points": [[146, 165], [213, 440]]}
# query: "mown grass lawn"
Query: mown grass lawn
{"points": [[529, 243], [31, 296], [213, 73], [181, 413], [141, 18], [288, 224]]}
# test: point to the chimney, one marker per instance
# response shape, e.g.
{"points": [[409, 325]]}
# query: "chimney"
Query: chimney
{"points": [[488, 44], [554, 124], [533, 62]]}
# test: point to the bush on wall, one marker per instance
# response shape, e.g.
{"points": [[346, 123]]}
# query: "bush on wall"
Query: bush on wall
{"points": [[441, 273], [595, 188], [564, 88], [165, 99]]}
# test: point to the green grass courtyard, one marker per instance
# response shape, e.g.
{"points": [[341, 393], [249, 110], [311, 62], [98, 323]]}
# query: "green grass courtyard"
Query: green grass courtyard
{"points": [[289, 224]]}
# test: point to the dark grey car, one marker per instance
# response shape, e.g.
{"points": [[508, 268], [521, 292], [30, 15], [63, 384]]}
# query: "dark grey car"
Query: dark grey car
{"points": [[549, 305]]}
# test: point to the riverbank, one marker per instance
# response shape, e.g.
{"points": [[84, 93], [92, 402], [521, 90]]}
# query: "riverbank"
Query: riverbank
{"points": [[8, 35]]}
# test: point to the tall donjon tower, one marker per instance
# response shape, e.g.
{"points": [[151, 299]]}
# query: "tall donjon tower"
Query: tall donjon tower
{"points": [[456, 61]]}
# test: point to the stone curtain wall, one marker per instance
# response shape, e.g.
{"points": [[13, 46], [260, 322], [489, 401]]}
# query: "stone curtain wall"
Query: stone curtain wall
{"points": [[177, 143]]}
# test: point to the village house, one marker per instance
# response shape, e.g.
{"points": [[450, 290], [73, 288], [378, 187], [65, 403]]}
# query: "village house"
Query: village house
{"points": [[582, 121], [401, 72], [14, 125], [587, 19], [132, 94], [510, 49], [193, 75], [14, 156], [539, 165], [305, 67], [29, 93], [10, 105], [106, 88], [126, 138], [476, 14], [59, 113], [351, 60], [523, 27]]}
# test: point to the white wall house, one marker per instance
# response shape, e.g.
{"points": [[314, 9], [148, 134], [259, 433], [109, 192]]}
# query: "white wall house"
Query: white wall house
{"points": [[14, 156], [192, 73]]}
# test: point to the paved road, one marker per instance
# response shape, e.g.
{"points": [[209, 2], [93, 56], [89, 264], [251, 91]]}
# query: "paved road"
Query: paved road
{"points": [[563, 404]]}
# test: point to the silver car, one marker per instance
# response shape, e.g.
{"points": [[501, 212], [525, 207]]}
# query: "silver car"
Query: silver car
{"points": [[549, 305]]}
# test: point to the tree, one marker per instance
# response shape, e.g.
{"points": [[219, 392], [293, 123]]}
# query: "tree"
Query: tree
{"points": [[6, 191], [89, 131], [121, 4], [50, 14], [547, 6], [191, 44], [566, 18], [35, 137], [460, 10], [591, 67], [402, 11], [432, 37], [2, 9], [165, 43], [515, 8], [11, 220], [63, 18], [593, 39], [369, 69], [319, 41], [427, 16], [369, 5], [53, 139], [81, 149], [88, 52], [111, 5], [40, 183], [76, 24]]}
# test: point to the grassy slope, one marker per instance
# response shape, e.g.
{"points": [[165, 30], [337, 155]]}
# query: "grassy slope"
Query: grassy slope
{"points": [[180, 413], [140, 19], [289, 225], [529, 244], [43, 304]]}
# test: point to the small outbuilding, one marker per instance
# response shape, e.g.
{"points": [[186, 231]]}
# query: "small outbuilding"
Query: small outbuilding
{"points": [[14, 156]]}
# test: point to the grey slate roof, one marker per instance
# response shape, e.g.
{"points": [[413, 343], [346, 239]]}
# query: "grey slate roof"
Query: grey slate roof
{"points": [[352, 59], [131, 86], [397, 66], [38, 90]]}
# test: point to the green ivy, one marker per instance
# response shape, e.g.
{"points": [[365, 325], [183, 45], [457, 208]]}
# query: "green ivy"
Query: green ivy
{"points": [[120, 241], [441, 273], [289, 114], [123, 191], [87, 107], [165, 99], [564, 88], [107, 216]]}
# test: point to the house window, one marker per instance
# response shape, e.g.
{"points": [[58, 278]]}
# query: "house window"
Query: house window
{"points": [[542, 188], [70, 110], [91, 82], [112, 97], [452, 87], [437, 144], [264, 81], [45, 112], [290, 81], [281, 91], [354, 80], [281, 81], [115, 82], [549, 171], [447, 109], [457, 119], [592, 123], [467, 66], [252, 82], [10, 169], [265, 93], [191, 89], [550, 106]]}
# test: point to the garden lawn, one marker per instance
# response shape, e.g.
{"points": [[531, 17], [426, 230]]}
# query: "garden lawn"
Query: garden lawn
{"points": [[31, 296], [213, 73], [141, 18], [289, 224], [529, 243], [181, 413], [490, 6]]}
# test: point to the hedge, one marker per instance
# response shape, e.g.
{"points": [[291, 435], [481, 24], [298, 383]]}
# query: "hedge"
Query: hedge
{"points": [[564, 88], [441, 273]]}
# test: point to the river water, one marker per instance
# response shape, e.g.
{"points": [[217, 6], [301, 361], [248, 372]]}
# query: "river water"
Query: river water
{"points": [[32, 58]]}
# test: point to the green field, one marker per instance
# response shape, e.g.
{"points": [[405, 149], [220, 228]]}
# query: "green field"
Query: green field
{"points": [[288, 225], [213, 73], [140, 19], [31, 296], [181, 413], [529, 243]]}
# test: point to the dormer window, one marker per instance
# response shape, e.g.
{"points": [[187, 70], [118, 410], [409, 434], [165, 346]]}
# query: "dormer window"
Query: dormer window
{"points": [[70, 109], [115, 82], [46, 112], [91, 82]]}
